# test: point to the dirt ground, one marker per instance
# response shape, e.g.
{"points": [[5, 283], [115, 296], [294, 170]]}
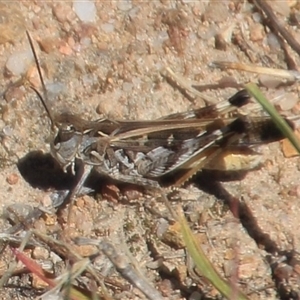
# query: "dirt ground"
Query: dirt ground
{"points": [[112, 66]]}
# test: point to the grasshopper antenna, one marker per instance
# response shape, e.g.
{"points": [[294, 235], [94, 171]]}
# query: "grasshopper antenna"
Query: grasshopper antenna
{"points": [[42, 81]]}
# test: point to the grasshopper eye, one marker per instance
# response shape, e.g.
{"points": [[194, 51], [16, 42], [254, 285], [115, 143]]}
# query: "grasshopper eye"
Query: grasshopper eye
{"points": [[64, 134]]}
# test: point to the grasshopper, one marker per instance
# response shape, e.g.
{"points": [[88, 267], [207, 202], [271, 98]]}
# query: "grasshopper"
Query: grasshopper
{"points": [[144, 152]]}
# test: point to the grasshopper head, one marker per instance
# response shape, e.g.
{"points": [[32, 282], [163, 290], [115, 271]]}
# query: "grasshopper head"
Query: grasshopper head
{"points": [[65, 144]]}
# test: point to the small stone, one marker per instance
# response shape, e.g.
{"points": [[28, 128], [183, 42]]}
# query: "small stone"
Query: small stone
{"points": [[173, 236], [46, 201], [85, 10], [230, 254], [40, 253], [16, 211], [48, 44], [107, 27], [132, 194], [288, 102], [86, 250], [273, 42], [124, 5], [62, 12], [14, 93], [162, 227], [269, 81], [19, 62], [65, 49], [216, 11], [40, 226], [256, 32], [257, 17], [12, 179], [38, 283], [220, 42], [55, 258], [288, 149], [7, 130]]}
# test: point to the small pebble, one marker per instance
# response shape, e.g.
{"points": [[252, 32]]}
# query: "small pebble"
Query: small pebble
{"points": [[65, 49], [269, 81], [55, 258], [86, 250], [18, 63], [46, 201], [162, 227], [257, 17], [256, 32], [15, 211], [107, 27], [14, 93], [124, 5], [40, 226], [134, 12], [220, 42], [40, 253], [61, 12], [48, 44], [272, 41], [38, 283], [12, 179], [85, 10], [288, 102], [288, 149], [7, 130]]}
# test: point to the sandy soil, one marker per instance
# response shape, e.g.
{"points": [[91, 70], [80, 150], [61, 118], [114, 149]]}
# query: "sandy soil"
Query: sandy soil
{"points": [[113, 66]]}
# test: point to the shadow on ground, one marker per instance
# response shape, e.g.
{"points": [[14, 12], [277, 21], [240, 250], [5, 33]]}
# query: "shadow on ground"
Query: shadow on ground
{"points": [[42, 171]]}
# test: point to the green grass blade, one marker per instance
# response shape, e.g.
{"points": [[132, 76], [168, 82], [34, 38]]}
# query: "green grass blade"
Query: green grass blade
{"points": [[277, 118], [204, 266]]}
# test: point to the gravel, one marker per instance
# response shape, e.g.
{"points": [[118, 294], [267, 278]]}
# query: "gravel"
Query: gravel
{"points": [[106, 57]]}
